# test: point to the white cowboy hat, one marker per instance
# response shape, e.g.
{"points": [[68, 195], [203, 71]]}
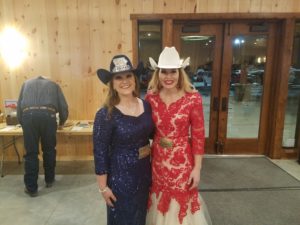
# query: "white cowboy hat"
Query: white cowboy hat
{"points": [[169, 59]]}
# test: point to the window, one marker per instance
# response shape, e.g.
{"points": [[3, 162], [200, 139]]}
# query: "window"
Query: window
{"points": [[149, 45], [292, 113]]}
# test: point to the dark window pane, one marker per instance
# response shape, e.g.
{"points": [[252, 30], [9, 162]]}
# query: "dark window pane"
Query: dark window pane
{"points": [[150, 45], [292, 114]]}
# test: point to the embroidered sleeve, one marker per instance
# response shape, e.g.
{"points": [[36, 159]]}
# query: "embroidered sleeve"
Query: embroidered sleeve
{"points": [[197, 125], [101, 139]]}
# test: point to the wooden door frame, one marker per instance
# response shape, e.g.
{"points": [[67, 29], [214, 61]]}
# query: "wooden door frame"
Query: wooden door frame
{"points": [[282, 62], [280, 89]]}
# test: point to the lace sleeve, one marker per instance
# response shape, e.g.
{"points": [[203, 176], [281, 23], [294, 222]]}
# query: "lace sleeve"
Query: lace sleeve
{"points": [[197, 125], [102, 133]]}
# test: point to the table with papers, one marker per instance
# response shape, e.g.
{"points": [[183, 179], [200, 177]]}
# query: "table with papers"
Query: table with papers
{"points": [[12, 133]]}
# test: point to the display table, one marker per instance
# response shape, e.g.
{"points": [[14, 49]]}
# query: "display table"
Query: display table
{"points": [[71, 128]]}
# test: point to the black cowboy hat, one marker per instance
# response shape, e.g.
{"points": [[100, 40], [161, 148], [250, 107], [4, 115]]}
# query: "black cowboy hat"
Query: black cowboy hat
{"points": [[119, 64]]}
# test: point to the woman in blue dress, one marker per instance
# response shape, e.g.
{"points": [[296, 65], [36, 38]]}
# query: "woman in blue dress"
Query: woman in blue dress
{"points": [[121, 145]]}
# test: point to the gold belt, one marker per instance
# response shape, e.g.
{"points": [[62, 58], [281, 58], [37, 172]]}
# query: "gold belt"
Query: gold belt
{"points": [[144, 151], [165, 142]]}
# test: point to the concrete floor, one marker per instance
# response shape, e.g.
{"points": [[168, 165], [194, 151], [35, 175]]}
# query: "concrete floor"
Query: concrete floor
{"points": [[73, 199]]}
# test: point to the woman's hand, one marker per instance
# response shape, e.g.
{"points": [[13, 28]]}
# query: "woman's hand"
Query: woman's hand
{"points": [[109, 197], [194, 178]]}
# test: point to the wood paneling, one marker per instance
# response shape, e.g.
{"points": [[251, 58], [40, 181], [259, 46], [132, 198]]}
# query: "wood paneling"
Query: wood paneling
{"points": [[69, 40], [167, 32]]}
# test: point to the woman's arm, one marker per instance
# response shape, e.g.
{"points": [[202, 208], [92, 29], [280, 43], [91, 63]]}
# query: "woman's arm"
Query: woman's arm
{"points": [[194, 179], [102, 136], [197, 139], [106, 192]]}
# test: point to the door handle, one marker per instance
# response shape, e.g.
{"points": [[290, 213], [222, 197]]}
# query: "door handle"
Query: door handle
{"points": [[219, 147], [216, 104], [224, 104]]}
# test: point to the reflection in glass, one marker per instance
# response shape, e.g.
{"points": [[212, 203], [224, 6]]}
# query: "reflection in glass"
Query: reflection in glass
{"points": [[293, 100], [149, 45], [201, 51], [246, 86]]}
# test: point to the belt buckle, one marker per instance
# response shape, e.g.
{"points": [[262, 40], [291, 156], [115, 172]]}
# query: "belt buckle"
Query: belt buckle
{"points": [[165, 142], [144, 151]]}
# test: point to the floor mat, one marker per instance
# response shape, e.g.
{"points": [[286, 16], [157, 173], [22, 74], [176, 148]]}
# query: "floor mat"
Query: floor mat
{"points": [[243, 173], [254, 207]]}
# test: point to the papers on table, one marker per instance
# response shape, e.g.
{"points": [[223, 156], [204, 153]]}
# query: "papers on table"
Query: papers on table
{"points": [[76, 128], [81, 125], [9, 128]]}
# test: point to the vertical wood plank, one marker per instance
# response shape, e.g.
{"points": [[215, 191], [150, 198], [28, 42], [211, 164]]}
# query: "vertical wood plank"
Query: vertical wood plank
{"points": [[217, 6], [134, 41], [245, 6], [233, 6], [147, 6], [266, 6], [296, 7], [202, 6], [255, 6], [190, 6], [281, 6]]}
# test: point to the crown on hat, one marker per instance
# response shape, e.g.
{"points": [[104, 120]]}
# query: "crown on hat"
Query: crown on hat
{"points": [[119, 64]]}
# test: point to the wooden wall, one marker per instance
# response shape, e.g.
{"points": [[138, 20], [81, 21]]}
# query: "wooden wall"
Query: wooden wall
{"points": [[70, 39]]}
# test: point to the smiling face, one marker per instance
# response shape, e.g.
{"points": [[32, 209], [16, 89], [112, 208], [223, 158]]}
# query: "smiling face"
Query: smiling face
{"points": [[168, 78], [124, 83]]}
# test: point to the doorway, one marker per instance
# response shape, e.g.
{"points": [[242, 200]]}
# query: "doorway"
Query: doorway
{"points": [[230, 64]]}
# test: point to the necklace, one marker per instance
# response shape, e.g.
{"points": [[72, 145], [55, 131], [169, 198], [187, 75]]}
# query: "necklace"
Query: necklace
{"points": [[130, 109]]}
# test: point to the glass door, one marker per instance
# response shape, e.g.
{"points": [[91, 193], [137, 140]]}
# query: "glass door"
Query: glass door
{"points": [[203, 44], [247, 68], [230, 63]]}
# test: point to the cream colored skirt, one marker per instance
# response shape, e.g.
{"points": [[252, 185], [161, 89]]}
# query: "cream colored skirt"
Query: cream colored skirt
{"points": [[155, 217]]}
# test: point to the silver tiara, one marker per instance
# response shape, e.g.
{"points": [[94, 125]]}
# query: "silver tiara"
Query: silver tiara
{"points": [[121, 64]]}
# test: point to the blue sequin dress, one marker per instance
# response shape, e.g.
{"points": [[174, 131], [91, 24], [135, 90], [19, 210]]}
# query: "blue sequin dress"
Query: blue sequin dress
{"points": [[116, 144]]}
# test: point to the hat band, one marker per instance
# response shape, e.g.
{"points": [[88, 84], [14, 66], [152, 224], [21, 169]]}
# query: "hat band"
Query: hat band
{"points": [[121, 68], [169, 66]]}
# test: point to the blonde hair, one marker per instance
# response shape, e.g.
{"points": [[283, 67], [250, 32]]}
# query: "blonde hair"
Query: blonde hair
{"points": [[183, 82], [113, 98]]}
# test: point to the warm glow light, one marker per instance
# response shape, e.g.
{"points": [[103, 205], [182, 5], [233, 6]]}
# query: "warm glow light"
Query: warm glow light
{"points": [[194, 38], [13, 47], [259, 60]]}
